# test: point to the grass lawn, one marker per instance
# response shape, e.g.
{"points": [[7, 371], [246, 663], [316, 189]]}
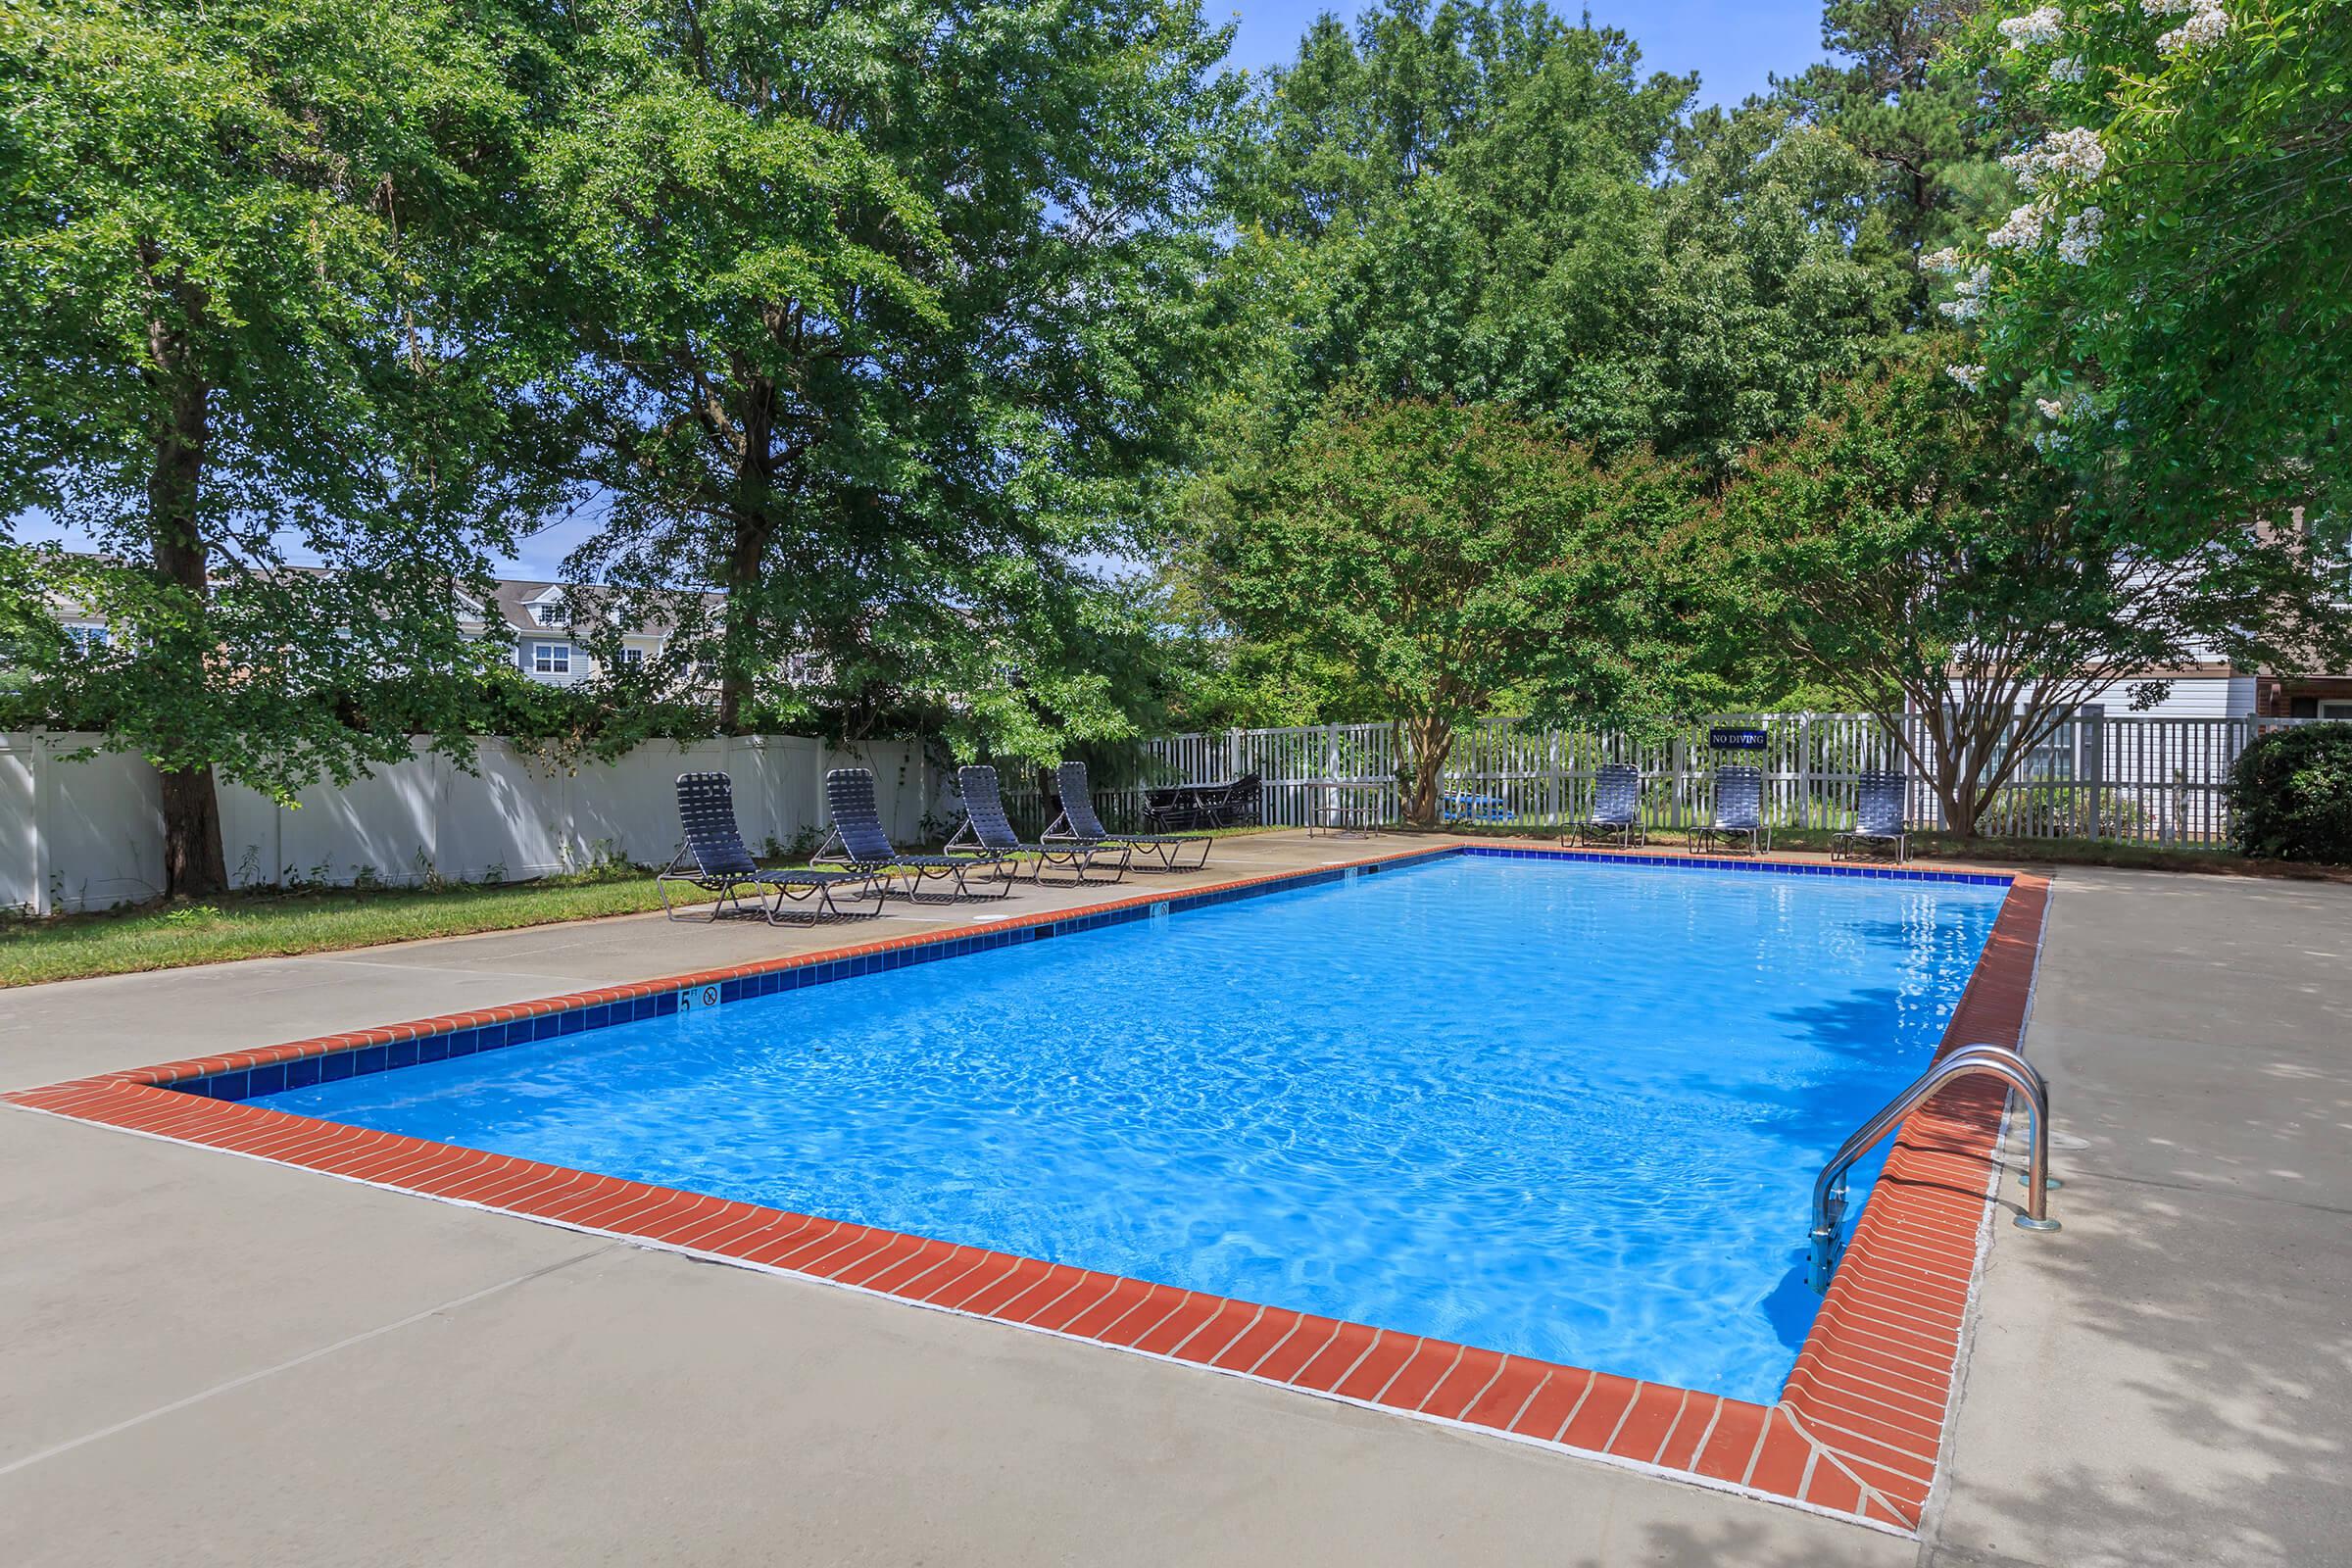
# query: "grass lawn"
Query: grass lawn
{"points": [[276, 924], [256, 926]]}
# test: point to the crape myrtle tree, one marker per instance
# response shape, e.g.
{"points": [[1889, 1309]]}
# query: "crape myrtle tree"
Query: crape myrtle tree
{"points": [[885, 325], [233, 342], [1444, 553], [1911, 555], [2172, 287]]}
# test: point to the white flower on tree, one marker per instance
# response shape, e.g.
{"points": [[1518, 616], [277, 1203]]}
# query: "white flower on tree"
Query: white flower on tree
{"points": [[2038, 25], [2051, 407], [2071, 153], [1969, 295], [1947, 261], [2022, 231], [2166, 8], [2068, 69], [2081, 236], [1971, 376], [2206, 26]]}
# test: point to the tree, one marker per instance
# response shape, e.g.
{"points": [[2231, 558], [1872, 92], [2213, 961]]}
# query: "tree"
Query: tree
{"points": [[1910, 555], [1479, 201], [1445, 552], [2173, 286], [884, 325], [230, 345], [1920, 130]]}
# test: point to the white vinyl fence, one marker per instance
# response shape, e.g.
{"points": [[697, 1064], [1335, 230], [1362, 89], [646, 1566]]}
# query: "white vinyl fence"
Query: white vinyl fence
{"points": [[2143, 780], [88, 834]]}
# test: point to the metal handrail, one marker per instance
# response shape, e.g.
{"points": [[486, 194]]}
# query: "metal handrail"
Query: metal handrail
{"points": [[1982, 1060]]}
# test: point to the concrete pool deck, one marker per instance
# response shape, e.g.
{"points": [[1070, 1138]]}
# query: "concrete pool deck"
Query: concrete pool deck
{"points": [[223, 1360]]}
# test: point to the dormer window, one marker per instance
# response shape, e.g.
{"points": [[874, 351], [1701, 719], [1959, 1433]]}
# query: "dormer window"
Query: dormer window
{"points": [[548, 609]]}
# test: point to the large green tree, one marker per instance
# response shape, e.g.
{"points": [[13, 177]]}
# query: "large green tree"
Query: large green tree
{"points": [[2173, 284], [885, 322], [1920, 131], [1483, 201], [1911, 555], [1443, 553], [237, 341]]}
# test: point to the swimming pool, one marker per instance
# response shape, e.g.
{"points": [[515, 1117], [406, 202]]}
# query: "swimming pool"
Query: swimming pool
{"points": [[1564, 1109]]}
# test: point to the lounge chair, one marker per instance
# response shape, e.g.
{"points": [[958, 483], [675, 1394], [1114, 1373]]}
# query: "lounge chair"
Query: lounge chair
{"points": [[713, 857], [1078, 824], [1616, 810], [857, 841], [987, 829], [1739, 811], [1461, 805], [1879, 815]]}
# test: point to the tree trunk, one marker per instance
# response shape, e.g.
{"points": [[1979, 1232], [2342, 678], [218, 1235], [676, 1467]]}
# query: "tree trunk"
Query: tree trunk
{"points": [[739, 647], [194, 863], [1957, 790], [754, 526], [1431, 741], [194, 866]]}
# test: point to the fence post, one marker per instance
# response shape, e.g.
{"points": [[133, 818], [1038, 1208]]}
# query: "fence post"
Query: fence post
{"points": [[2091, 722], [1233, 754], [1327, 809], [1804, 770], [1555, 747], [37, 759]]}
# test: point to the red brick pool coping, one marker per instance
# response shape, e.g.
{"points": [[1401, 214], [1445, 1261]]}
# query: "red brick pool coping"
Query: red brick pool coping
{"points": [[1858, 1431]]}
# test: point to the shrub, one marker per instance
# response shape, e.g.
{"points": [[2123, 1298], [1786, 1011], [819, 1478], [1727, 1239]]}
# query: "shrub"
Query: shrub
{"points": [[2292, 795]]}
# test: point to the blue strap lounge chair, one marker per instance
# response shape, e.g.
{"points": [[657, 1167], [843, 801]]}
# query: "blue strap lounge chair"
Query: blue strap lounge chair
{"points": [[859, 842], [987, 829], [1739, 812], [1078, 824], [1460, 806], [1616, 817], [713, 858], [1878, 819]]}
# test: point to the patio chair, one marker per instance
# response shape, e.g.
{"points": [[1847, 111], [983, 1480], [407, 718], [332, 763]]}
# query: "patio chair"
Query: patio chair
{"points": [[986, 828], [1173, 806], [1739, 812], [713, 858], [1078, 824], [1462, 805], [1878, 819], [1616, 817], [1243, 804], [857, 841]]}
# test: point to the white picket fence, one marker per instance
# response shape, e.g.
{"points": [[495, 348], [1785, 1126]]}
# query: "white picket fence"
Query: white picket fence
{"points": [[2130, 778], [88, 833]]}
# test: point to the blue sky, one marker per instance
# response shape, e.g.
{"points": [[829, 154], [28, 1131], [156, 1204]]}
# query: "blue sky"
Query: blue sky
{"points": [[1733, 48]]}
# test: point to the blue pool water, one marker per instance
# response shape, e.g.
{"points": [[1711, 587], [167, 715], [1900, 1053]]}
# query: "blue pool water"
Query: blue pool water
{"points": [[1568, 1111]]}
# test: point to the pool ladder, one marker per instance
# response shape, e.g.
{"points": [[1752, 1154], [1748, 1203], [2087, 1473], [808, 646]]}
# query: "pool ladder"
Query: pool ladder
{"points": [[2004, 1062]]}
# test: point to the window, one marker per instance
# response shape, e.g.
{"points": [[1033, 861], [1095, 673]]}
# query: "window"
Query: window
{"points": [[631, 657], [86, 638], [2341, 711], [551, 659]]}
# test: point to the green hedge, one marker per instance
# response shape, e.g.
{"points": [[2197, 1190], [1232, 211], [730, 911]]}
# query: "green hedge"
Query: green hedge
{"points": [[2292, 794]]}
